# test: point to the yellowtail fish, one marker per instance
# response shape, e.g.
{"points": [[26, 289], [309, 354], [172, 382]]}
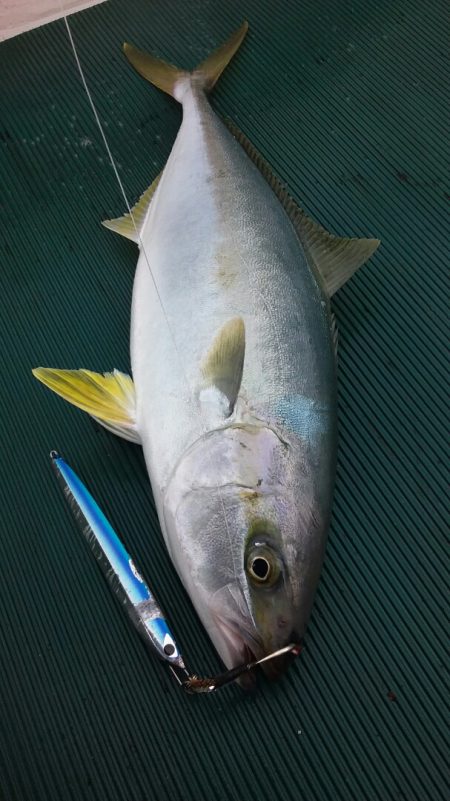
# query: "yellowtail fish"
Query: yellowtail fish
{"points": [[233, 355]]}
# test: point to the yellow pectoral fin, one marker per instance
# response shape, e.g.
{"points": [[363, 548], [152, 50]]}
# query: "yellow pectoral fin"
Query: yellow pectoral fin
{"points": [[109, 398], [223, 365]]}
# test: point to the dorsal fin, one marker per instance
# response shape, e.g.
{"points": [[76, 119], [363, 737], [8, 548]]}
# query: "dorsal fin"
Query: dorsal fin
{"points": [[334, 258], [223, 365], [124, 225]]}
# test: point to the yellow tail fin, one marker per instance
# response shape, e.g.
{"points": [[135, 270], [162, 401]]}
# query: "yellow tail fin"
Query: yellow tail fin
{"points": [[166, 76]]}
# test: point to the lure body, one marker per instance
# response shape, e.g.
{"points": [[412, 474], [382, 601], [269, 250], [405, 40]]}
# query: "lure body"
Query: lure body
{"points": [[117, 565]]}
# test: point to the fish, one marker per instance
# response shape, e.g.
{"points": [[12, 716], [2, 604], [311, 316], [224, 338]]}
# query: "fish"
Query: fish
{"points": [[234, 362]]}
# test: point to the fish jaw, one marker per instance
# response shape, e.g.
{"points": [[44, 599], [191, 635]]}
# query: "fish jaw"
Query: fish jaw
{"points": [[238, 642], [234, 634]]}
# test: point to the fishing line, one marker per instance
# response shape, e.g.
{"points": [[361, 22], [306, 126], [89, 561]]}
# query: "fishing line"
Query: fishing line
{"points": [[122, 189], [142, 248]]}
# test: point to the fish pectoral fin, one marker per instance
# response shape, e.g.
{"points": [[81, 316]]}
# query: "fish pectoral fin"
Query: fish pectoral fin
{"points": [[334, 259], [130, 225], [109, 397], [223, 364]]}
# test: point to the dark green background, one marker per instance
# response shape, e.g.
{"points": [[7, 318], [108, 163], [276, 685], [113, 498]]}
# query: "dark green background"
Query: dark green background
{"points": [[348, 102]]}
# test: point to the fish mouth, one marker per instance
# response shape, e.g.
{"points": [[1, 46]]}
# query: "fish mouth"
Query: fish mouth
{"points": [[238, 642], [239, 647], [243, 648]]}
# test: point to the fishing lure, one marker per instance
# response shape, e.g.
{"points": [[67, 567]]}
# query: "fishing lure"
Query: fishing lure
{"points": [[117, 565], [129, 586]]}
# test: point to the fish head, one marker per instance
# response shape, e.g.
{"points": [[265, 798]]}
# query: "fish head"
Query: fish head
{"points": [[234, 521], [254, 611]]}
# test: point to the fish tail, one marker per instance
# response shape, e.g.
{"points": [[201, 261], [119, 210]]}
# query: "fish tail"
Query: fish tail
{"points": [[168, 77]]}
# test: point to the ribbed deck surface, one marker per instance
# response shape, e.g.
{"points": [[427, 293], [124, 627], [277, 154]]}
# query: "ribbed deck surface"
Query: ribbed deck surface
{"points": [[348, 102]]}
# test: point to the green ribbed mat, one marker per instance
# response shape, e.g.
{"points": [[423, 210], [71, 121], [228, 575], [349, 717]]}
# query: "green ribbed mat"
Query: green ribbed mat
{"points": [[347, 101]]}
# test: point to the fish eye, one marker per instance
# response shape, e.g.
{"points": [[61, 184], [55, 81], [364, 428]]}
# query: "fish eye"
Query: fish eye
{"points": [[263, 566], [260, 568]]}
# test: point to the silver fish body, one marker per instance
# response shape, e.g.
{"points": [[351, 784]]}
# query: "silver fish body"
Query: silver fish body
{"points": [[220, 246]]}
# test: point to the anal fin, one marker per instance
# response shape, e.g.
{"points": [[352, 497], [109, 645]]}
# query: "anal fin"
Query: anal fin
{"points": [[130, 225], [109, 398]]}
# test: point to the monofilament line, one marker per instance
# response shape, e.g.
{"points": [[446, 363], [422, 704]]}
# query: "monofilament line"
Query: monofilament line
{"points": [[116, 173], [141, 245]]}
